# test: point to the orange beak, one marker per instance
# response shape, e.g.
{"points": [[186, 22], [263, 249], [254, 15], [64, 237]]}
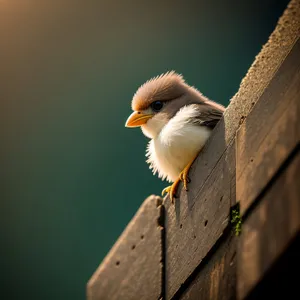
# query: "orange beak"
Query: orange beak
{"points": [[137, 119]]}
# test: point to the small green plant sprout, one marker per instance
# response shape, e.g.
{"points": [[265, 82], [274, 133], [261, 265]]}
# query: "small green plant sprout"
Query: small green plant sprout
{"points": [[236, 220]]}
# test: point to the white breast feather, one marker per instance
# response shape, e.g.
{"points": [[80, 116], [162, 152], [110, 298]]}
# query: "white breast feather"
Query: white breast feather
{"points": [[177, 144]]}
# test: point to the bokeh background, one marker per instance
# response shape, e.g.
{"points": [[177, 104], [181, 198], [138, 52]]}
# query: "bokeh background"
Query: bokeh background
{"points": [[72, 176]]}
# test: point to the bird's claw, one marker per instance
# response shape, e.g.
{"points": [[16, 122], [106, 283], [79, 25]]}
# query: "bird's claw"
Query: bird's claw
{"points": [[171, 190], [166, 190], [185, 178]]}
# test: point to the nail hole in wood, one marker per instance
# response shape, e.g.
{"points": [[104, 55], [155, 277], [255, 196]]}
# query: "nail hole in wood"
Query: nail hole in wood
{"points": [[117, 263], [180, 226], [132, 247], [205, 223], [241, 120], [142, 236], [221, 198]]}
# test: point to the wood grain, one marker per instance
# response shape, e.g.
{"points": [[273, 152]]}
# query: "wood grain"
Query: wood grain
{"points": [[133, 267], [217, 278], [269, 229], [200, 216], [197, 221], [270, 132]]}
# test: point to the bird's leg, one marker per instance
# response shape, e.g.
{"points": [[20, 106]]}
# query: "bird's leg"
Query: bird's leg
{"points": [[184, 175], [171, 190]]}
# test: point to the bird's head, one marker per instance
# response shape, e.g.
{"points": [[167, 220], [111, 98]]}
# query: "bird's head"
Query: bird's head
{"points": [[157, 101]]}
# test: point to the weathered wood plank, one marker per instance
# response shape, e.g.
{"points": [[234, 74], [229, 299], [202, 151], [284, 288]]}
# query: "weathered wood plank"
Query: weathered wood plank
{"points": [[133, 267], [217, 278], [188, 236], [193, 227], [280, 281], [270, 132], [269, 229]]}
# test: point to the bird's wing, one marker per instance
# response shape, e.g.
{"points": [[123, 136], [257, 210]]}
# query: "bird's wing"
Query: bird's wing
{"points": [[208, 116]]}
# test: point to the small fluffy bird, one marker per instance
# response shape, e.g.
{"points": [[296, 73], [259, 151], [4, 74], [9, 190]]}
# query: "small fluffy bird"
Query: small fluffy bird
{"points": [[178, 119]]}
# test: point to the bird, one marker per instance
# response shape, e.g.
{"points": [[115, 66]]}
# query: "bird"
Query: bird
{"points": [[178, 119]]}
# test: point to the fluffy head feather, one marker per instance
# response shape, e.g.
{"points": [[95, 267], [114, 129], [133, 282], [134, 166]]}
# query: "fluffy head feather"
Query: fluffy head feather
{"points": [[164, 87]]}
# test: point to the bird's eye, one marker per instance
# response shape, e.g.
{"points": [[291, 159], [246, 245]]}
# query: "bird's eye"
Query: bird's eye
{"points": [[157, 106]]}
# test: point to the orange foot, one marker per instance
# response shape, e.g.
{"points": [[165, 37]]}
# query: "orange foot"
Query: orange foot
{"points": [[183, 176], [171, 190]]}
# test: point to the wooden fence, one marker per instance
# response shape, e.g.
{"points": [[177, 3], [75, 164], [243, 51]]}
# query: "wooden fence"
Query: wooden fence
{"points": [[248, 174]]}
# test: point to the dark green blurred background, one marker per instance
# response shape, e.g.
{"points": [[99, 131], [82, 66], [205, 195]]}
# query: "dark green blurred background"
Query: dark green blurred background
{"points": [[72, 175]]}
